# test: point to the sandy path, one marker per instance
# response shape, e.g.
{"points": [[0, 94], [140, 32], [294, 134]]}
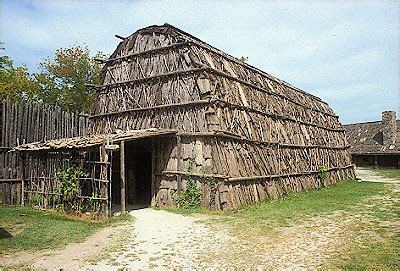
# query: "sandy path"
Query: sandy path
{"points": [[368, 175], [161, 239]]}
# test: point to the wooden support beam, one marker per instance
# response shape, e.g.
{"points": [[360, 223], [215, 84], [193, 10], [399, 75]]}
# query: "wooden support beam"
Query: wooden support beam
{"points": [[153, 174], [190, 103], [122, 162], [375, 162], [250, 178], [153, 77], [265, 90], [101, 60], [148, 52], [110, 184], [119, 37], [23, 179], [179, 163]]}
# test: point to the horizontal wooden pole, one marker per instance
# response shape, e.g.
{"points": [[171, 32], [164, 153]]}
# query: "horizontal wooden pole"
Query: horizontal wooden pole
{"points": [[91, 198], [10, 180], [227, 134], [59, 194], [175, 172], [249, 178], [147, 52], [190, 103], [43, 193], [79, 179], [149, 78], [282, 117], [119, 37], [223, 74]]}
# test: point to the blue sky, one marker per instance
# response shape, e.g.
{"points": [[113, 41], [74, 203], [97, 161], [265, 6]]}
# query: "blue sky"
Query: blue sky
{"points": [[345, 53]]}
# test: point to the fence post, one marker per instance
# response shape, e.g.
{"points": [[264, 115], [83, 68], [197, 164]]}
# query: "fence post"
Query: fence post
{"points": [[122, 162], [23, 179]]}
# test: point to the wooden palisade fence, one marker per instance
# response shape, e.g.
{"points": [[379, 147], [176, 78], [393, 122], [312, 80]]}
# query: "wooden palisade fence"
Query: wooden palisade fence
{"points": [[25, 122]]}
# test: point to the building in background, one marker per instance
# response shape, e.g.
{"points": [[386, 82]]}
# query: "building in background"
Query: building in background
{"points": [[375, 143]]}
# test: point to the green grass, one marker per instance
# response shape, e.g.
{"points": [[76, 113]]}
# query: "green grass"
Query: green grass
{"points": [[35, 230], [306, 204], [376, 243], [390, 173]]}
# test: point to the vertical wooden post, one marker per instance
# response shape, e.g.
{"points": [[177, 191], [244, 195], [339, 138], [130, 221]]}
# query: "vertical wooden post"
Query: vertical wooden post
{"points": [[104, 176], [23, 179], [110, 184], [122, 162], [179, 163], [375, 161], [153, 174]]}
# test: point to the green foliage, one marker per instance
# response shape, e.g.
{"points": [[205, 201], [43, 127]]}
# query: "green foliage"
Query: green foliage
{"points": [[213, 187], [323, 173], [68, 186], [15, 82], [60, 81], [63, 78], [191, 197]]}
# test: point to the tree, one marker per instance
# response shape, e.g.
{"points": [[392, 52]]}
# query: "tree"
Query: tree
{"points": [[15, 82], [63, 78]]}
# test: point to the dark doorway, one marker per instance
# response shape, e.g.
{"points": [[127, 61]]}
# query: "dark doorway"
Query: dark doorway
{"points": [[138, 179], [138, 176]]}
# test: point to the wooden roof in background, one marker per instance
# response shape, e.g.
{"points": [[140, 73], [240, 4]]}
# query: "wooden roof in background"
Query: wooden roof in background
{"points": [[367, 138], [85, 142]]}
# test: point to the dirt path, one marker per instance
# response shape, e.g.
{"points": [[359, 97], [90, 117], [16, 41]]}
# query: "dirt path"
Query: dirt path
{"points": [[161, 239], [368, 175]]}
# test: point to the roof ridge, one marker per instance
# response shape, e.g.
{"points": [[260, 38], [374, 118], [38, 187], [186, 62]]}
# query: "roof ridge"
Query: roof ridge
{"points": [[236, 60]]}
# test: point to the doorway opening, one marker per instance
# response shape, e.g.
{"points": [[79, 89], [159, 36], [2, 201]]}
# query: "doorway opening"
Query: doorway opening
{"points": [[138, 175]]}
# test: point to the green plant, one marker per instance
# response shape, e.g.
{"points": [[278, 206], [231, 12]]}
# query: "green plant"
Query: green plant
{"points": [[323, 172], [68, 186], [191, 197], [213, 188]]}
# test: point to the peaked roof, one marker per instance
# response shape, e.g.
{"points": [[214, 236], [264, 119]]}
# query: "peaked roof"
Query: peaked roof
{"points": [[367, 138]]}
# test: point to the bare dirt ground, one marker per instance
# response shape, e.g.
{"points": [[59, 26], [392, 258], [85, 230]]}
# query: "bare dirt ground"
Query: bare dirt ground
{"points": [[159, 239], [368, 175]]}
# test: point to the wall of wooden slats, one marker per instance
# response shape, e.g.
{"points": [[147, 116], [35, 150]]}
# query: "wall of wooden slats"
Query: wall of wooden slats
{"points": [[25, 122]]}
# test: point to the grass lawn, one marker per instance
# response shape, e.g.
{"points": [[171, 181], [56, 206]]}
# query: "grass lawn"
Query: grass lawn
{"points": [[24, 228], [390, 173]]}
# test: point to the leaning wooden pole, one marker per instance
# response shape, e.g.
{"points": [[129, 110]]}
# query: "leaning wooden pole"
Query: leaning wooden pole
{"points": [[122, 162]]}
